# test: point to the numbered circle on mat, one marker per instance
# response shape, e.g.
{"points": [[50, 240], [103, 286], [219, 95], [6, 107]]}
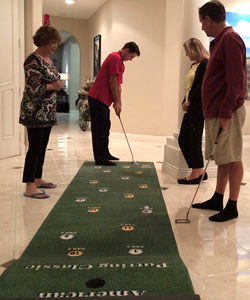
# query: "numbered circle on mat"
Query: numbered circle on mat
{"points": [[135, 251]]}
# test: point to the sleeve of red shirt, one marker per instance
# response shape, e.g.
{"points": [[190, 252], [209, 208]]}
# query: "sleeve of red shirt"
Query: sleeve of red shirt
{"points": [[114, 66], [234, 55]]}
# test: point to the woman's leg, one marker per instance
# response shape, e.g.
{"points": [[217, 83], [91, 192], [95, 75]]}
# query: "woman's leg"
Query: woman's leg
{"points": [[39, 170], [195, 147], [183, 139], [35, 138]]}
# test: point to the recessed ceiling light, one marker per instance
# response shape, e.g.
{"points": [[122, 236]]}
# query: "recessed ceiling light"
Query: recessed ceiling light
{"points": [[69, 1]]}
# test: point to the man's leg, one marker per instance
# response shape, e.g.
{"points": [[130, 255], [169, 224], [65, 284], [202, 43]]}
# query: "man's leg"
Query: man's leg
{"points": [[235, 179], [233, 144], [230, 152], [99, 116], [222, 178], [235, 170], [216, 202], [232, 172]]}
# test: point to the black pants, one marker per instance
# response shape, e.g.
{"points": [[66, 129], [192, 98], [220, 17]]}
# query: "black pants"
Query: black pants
{"points": [[190, 141], [38, 141], [100, 126]]}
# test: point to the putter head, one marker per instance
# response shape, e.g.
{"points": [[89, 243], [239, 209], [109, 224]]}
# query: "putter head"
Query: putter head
{"points": [[135, 163], [182, 221]]}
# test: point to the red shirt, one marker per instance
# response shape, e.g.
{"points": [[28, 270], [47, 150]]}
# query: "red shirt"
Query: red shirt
{"points": [[224, 86], [100, 90]]}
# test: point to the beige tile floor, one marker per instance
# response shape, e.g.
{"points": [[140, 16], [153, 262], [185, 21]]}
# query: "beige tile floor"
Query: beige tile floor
{"points": [[216, 255]]}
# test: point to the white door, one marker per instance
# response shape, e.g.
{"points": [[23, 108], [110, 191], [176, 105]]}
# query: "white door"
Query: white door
{"points": [[11, 28]]}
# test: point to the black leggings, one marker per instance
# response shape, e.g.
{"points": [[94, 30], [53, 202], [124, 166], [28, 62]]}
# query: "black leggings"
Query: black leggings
{"points": [[38, 141], [190, 141]]}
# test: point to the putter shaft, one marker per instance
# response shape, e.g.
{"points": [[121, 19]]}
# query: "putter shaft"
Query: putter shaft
{"points": [[186, 220], [126, 139]]}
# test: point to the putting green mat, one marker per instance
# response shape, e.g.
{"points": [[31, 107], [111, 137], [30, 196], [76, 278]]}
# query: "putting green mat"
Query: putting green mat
{"points": [[108, 235]]}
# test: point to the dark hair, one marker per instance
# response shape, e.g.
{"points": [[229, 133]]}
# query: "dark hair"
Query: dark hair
{"points": [[215, 10], [133, 48], [45, 35]]}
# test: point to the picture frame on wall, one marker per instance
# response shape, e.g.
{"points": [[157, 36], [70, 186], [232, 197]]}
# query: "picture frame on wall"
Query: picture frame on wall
{"points": [[241, 24], [97, 54]]}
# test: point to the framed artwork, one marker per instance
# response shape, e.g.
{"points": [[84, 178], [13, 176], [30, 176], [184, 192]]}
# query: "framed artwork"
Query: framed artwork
{"points": [[97, 54], [241, 24]]}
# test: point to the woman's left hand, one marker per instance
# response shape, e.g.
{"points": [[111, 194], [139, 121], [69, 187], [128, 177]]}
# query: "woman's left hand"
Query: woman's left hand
{"points": [[185, 106]]}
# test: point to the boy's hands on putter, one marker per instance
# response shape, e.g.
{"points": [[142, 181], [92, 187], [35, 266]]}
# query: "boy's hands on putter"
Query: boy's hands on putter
{"points": [[117, 108]]}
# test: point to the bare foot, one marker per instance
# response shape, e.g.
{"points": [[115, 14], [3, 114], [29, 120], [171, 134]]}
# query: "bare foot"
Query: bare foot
{"points": [[40, 183], [34, 192]]}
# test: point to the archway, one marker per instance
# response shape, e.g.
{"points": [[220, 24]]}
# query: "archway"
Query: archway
{"points": [[67, 60]]}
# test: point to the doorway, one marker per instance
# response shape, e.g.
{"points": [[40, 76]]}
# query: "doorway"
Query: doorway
{"points": [[11, 76], [67, 61]]}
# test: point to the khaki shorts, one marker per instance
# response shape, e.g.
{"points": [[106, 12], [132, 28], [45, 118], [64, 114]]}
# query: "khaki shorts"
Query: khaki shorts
{"points": [[229, 147]]}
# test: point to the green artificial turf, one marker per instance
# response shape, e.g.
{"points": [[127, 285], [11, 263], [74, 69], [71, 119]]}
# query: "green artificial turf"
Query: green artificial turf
{"points": [[98, 232]]}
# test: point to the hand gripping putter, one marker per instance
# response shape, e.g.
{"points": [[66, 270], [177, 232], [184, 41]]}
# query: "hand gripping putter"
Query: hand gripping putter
{"points": [[133, 161], [187, 220]]}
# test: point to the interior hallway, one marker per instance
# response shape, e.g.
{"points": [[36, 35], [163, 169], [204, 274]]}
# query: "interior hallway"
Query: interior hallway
{"points": [[216, 255]]}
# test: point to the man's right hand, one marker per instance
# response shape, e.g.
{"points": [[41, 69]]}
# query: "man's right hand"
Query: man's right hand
{"points": [[224, 122], [117, 108]]}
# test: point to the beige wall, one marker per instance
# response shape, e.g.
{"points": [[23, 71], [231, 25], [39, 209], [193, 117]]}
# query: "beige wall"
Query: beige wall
{"points": [[154, 83], [78, 28], [191, 27], [173, 66], [141, 21], [33, 20]]}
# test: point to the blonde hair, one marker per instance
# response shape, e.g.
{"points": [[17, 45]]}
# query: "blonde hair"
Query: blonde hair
{"points": [[195, 47]]}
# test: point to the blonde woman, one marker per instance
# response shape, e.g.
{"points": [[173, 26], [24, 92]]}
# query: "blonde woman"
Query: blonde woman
{"points": [[190, 138]]}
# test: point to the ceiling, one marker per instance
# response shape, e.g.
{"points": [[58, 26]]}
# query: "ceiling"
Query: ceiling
{"points": [[81, 9]]}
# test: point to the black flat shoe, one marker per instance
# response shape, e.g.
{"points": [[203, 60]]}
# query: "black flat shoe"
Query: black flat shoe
{"points": [[105, 163], [111, 157], [205, 177], [192, 181]]}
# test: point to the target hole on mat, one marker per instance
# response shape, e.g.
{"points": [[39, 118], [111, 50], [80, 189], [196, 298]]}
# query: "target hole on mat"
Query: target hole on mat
{"points": [[95, 283]]}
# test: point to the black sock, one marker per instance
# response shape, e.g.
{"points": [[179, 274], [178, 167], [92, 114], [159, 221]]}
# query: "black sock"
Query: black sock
{"points": [[214, 203], [231, 205], [228, 213]]}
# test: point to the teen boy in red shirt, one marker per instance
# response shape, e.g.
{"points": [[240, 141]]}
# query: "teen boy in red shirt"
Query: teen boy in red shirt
{"points": [[105, 91]]}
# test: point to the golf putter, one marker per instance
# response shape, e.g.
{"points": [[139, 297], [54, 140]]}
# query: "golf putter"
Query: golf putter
{"points": [[187, 220], [133, 161]]}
